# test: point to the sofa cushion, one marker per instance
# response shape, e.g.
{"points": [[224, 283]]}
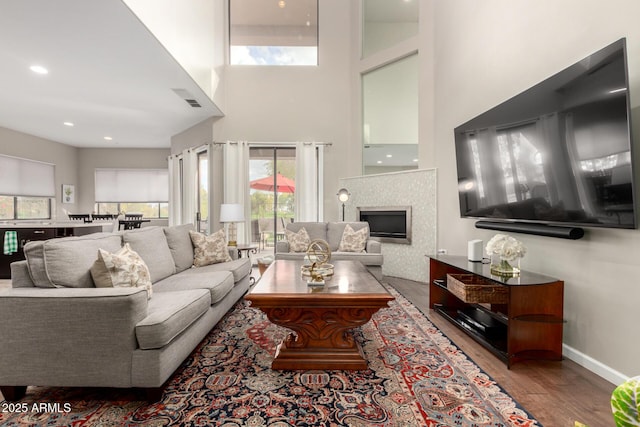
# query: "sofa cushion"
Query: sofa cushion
{"points": [[364, 257], [180, 245], [168, 314], [66, 262], [315, 230], [353, 241], [151, 244], [240, 268], [122, 269], [210, 249], [219, 283], [298, 241], [335, 230]]}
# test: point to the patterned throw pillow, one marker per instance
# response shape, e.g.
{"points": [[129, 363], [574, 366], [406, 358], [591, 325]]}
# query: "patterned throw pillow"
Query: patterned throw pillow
{"points": [[210, 249], [121, 269], [353, 241], [298, 242]]}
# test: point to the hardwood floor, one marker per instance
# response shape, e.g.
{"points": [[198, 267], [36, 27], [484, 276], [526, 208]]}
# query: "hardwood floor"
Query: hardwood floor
{"points": [[557, 394]]}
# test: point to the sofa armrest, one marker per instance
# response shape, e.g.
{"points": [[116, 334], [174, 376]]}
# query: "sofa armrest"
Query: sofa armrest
{"points": [[373, 247], [282, 246], [20, 277], [69, 336]]}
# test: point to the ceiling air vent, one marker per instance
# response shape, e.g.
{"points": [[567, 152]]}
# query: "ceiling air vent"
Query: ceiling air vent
{"points": [[188, 97]]}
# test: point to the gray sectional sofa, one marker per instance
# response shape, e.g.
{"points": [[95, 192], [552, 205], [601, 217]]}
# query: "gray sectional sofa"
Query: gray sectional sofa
{"points": [[58, 329], [332, 232]]}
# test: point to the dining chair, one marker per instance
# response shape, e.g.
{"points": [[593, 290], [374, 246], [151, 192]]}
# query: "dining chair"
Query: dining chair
{"points": [[103, 216], [80, 217]]}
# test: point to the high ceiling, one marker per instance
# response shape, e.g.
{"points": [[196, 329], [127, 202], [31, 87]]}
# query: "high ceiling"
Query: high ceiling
{"points": [[107, 74]]}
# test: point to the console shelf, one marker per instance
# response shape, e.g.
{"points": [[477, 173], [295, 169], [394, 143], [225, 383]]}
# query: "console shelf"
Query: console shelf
{"points": [[528, 326]]}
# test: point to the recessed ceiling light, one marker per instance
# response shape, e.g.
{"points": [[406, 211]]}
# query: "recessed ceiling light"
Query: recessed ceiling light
{"points": [[108, 138], [281, 4], [68, 124], [379, 161], [415, 160], [389, 155], [39, 69]]}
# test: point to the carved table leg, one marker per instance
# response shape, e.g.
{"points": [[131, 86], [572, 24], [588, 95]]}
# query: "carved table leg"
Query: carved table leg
{"points": [[322, 338], [12, 393]]}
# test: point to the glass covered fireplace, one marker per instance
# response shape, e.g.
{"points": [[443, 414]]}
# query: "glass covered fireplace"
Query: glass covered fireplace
{"points": [[388, 224]]}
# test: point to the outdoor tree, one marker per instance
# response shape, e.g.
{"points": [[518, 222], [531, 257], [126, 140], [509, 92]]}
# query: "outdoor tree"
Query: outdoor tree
{"points": [[286, 168]]}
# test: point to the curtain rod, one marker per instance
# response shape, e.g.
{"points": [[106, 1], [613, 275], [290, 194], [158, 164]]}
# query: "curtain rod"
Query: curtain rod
{"points": [[291, 143]]}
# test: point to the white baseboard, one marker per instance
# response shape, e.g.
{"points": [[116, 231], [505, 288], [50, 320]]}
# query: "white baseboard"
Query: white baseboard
{"points": [[593, 365]]}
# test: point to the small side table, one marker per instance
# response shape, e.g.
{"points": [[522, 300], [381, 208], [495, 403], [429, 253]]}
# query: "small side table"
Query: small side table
{"points": [[247, 249]]}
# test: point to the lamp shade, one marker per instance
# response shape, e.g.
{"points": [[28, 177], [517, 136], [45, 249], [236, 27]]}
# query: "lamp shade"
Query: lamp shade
{"points": [[231, 212], [343, 195]]}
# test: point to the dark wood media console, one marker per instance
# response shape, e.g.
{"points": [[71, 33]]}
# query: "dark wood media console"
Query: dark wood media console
{"points": [[528, 326]]}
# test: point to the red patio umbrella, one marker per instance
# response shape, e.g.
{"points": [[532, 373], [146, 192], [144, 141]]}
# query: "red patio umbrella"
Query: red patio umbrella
{"points": [[284, 184]]}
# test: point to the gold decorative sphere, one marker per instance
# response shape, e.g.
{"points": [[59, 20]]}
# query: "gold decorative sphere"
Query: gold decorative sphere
{"points": [[319, 252], [318, 257]]}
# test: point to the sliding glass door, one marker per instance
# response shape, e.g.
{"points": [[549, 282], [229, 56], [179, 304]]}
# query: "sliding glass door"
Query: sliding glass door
{"points": [[202, 191], [272, 188]]}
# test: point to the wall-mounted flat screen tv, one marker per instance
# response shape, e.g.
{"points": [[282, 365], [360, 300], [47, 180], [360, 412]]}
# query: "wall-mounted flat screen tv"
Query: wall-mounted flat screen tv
{"points": [[558, 153]]}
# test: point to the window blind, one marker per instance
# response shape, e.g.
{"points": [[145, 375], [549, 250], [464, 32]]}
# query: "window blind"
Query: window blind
{"points": [[23, 177], [131, 185]]}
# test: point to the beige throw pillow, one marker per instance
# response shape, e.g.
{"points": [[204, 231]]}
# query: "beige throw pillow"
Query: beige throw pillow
{"points": [[298, 242], [353, 241], [210, 249], [121, 269]]}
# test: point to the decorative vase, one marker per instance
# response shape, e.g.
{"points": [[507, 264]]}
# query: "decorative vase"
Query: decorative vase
{"points": [[502, 267]]}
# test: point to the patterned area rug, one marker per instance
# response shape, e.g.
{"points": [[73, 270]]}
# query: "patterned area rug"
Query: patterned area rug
{"points": [[416, 378]]}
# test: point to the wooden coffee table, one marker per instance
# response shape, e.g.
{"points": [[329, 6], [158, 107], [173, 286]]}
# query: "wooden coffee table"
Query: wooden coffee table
{"points": [[321, 317]]}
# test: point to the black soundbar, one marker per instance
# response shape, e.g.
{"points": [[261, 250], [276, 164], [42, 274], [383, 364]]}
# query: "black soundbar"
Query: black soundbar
{"points": [[562, 232]]}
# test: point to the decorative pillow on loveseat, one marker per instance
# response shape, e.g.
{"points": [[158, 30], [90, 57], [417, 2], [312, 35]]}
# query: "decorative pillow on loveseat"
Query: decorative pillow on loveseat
{"points": [[210, 249], [353, 241], [298, 242], [124, 268]]}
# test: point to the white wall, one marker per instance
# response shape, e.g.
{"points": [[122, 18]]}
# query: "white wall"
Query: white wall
{"points": [[486, 52], [288, 104], [192, 31], [195, 136]]}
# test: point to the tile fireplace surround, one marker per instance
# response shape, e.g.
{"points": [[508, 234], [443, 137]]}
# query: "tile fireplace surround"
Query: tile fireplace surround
{"points": [[415, 188]]}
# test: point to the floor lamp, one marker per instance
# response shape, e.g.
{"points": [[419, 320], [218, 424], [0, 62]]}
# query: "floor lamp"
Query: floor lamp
{"points": [[231, 213], [343, 195]]}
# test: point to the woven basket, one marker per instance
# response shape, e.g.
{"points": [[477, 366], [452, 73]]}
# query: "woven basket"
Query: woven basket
{"points": [[474, 289]]}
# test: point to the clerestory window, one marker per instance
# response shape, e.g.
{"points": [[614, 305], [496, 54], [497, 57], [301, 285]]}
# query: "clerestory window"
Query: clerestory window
{"points": [[273, 32]]}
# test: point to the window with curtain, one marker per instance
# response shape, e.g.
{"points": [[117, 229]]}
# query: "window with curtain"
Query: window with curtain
{"points": [[283, 32], [143, 191], [26, 188]]}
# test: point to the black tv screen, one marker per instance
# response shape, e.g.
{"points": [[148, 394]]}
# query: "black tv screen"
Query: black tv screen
{"points": [[558, 153]]}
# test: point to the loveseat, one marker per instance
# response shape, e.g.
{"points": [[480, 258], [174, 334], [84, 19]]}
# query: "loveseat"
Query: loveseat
{"points": [[333, 233], [59, 329]]}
